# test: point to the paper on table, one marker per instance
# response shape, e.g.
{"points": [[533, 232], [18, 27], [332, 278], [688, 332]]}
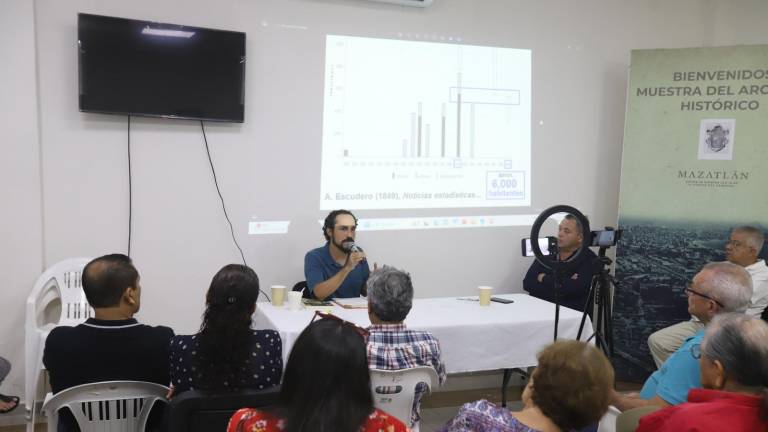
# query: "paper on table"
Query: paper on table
{"points": [[324, 309], [352, 303]]}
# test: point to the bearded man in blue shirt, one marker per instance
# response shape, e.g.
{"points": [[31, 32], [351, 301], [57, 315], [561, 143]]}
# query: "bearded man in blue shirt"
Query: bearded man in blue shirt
{"points": [[339, 268]]}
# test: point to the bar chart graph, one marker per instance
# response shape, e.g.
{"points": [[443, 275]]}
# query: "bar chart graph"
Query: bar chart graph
{"points": [[426, 117]]}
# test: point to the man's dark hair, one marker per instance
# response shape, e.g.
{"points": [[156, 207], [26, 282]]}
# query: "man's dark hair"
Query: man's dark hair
{"points": [[330, 221], [576, 220], [106, 278]]}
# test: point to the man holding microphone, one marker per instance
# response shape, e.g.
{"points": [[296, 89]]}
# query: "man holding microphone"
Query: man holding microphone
{"points": [[339, 268]]}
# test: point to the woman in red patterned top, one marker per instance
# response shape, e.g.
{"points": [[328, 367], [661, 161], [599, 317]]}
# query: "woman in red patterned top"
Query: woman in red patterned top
{"points": [[326, 387]]}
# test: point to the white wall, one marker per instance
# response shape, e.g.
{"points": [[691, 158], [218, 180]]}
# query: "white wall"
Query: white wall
{"points": [[269, 166], [21, 243]]}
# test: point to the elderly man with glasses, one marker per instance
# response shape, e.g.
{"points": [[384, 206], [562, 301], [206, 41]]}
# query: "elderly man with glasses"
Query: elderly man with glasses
{"points": [[743, 248], [720, 287], [391, 346]]}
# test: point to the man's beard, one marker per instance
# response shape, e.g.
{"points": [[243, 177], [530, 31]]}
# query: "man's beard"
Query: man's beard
{"points": [[348, 240]]}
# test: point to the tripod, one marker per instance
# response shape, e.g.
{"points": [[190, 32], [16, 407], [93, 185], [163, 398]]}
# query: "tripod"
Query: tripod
{"points": [[556, 285], [600, 298], [559, 275]]}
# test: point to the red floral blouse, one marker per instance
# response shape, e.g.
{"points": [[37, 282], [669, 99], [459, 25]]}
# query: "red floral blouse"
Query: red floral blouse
{"points": [[253, 420]]}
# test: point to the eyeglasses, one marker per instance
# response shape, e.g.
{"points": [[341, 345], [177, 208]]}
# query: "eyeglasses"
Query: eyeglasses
{"points": [[696, 351], [689, 290], [735, 243], [359, 330]]}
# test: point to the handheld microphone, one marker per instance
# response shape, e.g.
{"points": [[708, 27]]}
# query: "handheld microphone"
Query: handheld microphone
{"points": [[350, 246]]}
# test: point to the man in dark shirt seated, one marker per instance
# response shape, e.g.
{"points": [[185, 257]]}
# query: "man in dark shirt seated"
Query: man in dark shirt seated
{"points": [[113, 345], [337, 269], [539, 281]]}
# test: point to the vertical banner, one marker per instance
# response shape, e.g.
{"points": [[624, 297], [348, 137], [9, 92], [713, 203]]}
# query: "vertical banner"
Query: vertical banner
{"points": [[695, 164]]}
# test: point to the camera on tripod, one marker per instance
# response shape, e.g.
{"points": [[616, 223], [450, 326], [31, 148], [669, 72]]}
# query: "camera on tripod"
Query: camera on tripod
{"points": [[548, 244], [603, 239]]}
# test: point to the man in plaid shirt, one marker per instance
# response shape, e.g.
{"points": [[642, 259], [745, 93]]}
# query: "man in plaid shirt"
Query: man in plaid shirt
{"points": [[391, 346]]}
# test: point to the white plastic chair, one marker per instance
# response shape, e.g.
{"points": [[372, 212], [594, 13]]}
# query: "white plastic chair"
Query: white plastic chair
{"points": [[114, 406], [402, 384], [57, 298], [608, 422]]}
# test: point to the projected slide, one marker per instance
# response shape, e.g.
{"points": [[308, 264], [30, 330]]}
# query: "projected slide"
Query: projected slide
{"points": [[425, 125]]}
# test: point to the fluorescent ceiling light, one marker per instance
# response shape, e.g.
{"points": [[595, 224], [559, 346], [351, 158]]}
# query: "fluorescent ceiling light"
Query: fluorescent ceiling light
{"points": [[416, 3], [165, 32]]}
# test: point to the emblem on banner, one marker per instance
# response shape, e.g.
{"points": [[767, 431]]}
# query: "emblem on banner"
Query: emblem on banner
{"points": [[716, 139]]}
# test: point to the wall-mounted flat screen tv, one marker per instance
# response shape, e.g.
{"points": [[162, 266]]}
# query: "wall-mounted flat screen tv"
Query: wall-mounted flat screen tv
{"points": [[161, 70]]}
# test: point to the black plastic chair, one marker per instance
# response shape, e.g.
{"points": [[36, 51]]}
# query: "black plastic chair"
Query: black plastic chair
{"points": [[203, 411], [302, 286]]}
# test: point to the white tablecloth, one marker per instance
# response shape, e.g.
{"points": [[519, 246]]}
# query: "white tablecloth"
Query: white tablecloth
{"points": [[472, 338]]}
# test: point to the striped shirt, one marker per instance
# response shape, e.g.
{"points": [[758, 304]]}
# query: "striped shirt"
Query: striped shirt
{"points": [[393, 347]]}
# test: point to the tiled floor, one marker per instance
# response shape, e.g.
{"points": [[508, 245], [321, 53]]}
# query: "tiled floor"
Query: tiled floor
{"points": [[40, 427], [433, 418]]}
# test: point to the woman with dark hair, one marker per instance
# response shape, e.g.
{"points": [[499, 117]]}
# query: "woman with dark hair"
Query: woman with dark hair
{"points": [[326, 386], [569, 390], [734, 373], [226, 354]]}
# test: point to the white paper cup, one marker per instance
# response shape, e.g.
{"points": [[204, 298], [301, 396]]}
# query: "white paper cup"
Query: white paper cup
{"points": [[278, 295], [294, 300], [485, 295]]}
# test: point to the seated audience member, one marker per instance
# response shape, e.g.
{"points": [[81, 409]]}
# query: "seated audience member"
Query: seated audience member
{"points": [[227, 354], [391, 346], [569, 390], [7, 403], [113, 345], [336, 269], [742, 248], [539, 280], [326, 386], [720, 287], [734, 373]]}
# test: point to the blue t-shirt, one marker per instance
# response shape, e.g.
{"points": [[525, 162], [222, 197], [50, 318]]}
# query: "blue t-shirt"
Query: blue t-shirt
{"points": [[320, 266], [679, 374]]}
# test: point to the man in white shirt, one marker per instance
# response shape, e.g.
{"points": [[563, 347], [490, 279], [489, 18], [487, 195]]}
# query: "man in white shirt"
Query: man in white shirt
{"points": [[742, 248]]}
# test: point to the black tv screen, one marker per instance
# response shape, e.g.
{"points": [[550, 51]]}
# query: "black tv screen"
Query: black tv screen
{"points": [[163, 70]]}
